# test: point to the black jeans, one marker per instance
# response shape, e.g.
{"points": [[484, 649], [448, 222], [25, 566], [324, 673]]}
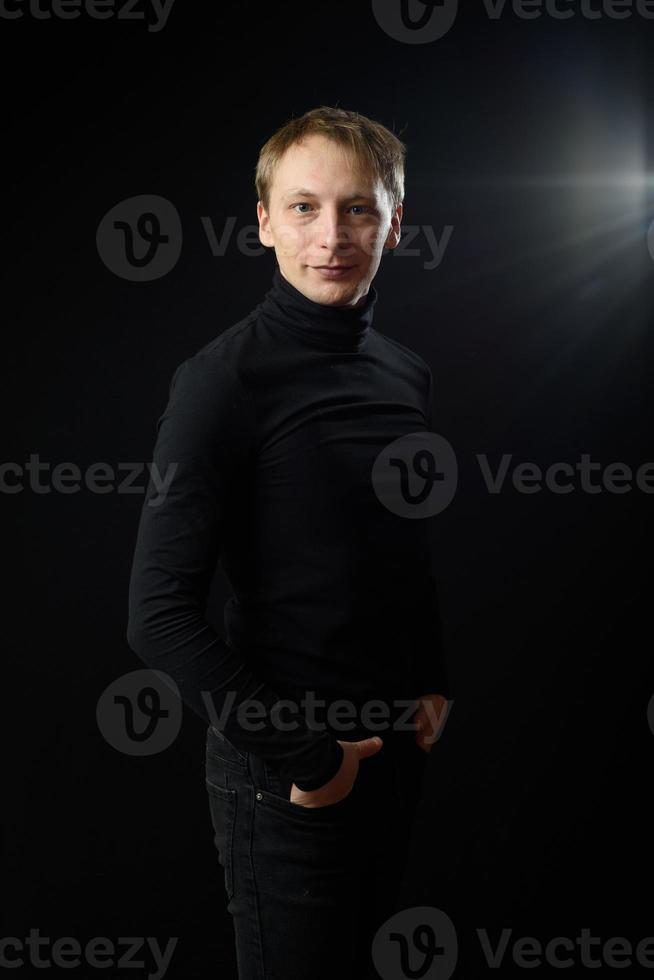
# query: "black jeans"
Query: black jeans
{"points": [[309, 887]]}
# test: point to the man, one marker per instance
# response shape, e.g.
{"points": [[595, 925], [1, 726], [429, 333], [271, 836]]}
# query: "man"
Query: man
{"points": [[274, 428]]}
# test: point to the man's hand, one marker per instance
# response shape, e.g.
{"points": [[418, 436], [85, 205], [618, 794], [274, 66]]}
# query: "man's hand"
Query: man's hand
{"points": [[429, 719], [341, 784]]}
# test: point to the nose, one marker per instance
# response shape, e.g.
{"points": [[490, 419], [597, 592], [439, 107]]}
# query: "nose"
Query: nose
{"points": [[333, 233]]}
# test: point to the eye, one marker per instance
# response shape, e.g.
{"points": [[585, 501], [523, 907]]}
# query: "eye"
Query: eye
{"points": [[304, 204]]}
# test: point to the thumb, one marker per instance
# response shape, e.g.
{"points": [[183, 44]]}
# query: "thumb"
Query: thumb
{"points": [[369, 746]]}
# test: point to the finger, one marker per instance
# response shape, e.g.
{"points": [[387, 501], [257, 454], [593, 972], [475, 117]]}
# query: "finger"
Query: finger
{"points": [[369, 746]]}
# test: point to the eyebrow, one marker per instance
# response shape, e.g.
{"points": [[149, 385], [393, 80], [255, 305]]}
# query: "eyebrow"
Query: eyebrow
{"points": [[297, 191]]}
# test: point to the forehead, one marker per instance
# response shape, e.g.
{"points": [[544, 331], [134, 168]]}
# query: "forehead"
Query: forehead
{"points": [[319, 165]]}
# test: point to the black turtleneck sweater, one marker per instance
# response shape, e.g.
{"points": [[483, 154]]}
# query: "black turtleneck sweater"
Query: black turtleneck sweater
{"points": [[274, 427]]}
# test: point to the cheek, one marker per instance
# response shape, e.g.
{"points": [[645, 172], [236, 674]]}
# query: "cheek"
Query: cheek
{"points": [[372, 239], [289, 239]]}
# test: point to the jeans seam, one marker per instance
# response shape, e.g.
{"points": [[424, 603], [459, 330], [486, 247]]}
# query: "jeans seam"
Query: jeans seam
{"points": [[252, 790], [228, 797]]}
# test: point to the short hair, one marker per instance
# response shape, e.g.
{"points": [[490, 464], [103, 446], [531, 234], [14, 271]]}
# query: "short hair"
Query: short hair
{"points": [[374, 147]]}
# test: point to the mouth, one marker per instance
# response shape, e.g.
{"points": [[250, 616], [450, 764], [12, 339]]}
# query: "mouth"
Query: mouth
{"points": [[333, 271]]}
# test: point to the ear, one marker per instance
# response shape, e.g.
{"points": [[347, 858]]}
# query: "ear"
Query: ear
{"points": [[393, 238], [265, 235]]}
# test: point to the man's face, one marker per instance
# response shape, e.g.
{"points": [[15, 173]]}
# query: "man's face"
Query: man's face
{"points": [[325, 211]]}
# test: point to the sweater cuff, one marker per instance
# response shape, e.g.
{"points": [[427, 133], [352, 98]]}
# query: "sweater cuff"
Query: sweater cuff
{"points": [[334, 754]]}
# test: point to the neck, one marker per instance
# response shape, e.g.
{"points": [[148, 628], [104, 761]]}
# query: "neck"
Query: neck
{"points": [[338, 328], [345, 306]]}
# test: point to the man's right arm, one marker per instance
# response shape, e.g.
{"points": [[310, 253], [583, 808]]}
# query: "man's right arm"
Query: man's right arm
{"points": [[207, 437]]}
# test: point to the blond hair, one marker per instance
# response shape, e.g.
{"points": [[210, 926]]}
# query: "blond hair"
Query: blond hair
{"points": [[374, 147]]}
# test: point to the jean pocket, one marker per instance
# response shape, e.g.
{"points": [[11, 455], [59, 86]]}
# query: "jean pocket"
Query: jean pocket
{"points": [[222, 807], [278, 791], [221, 749], [310, 812]]}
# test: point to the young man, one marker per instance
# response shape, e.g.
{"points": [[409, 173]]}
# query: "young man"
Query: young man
{"points": [[274, 427]]}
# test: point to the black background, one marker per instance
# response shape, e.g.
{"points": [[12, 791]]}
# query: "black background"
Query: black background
{"points": [[538, 328]]}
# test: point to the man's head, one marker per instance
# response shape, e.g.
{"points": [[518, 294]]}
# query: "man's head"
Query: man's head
{"points": [[330, 186]]}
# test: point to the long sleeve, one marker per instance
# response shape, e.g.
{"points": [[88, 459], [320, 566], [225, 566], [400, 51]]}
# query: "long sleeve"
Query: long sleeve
{"points": [[207, 436]]}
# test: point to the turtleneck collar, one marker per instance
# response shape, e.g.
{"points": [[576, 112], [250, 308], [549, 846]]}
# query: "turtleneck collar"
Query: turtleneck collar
{"points": [[339, 328]]}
